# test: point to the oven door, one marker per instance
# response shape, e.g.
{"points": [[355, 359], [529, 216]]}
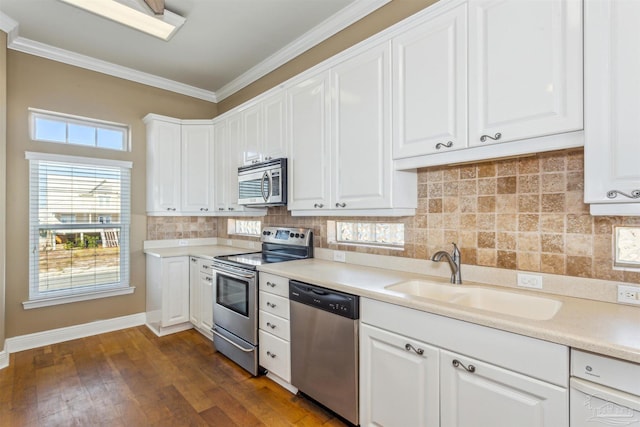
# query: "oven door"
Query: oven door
{"points": [[235, 307]]}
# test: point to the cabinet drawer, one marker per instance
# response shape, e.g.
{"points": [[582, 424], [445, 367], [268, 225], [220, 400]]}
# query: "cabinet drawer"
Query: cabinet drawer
{"points": [[275, 355], [274, 284], [274, 304], [206, 266], [274, 325]]}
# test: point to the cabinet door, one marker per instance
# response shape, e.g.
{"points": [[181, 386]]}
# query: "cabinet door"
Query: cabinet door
{"points": [[612, 107], [233, 160], [398, 386], [273, 137], [163, 166], [221, 163], [197, 169], [206, 301], [475, 394], [525, 69], [308, 140], [175, 290], [251, 142], [194, 292], [361, 148], [430, 86]]}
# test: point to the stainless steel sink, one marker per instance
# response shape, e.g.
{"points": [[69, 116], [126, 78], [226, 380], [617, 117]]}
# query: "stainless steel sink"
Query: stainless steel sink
{"points": [[497, 301]]}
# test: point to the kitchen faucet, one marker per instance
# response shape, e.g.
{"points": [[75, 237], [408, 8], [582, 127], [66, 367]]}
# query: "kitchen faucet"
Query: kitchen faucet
{"points": [[454, 263]]}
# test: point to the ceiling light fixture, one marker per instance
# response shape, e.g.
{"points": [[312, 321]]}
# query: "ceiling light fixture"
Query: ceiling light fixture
{"points": [[132, 15]]}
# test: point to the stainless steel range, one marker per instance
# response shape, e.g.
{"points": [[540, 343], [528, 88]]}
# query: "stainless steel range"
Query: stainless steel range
{"points": [[235, 308]]}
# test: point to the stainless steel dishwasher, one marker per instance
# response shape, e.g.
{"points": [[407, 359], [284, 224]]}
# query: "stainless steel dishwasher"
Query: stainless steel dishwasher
{"points": [[324, 347]]}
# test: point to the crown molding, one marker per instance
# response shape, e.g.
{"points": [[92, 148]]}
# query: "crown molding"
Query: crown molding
{"points": [[338, 22], [43, 50], [9, 26]]}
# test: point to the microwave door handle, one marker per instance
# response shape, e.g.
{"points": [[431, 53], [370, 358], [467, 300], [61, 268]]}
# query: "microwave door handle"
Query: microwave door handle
{"points": [[270, 186], [265, 178]]}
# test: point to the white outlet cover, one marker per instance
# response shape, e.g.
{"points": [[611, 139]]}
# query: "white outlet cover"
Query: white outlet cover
{"points": [[532, 281], [339, 256]]}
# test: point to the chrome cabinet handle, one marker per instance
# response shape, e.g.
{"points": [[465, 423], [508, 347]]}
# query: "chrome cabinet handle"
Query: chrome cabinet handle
{"points": [[612, 194], [206, 267], [171, 209], [194, 260], [409, 347], [448, 144], [209, 279], [220, 209], [340, 205], [273, 285], [271, 325], [469, 368], [268, 158], [318, 205], [271, 355], [230, 209], [204, 209], [496, 137], [271, 305]]}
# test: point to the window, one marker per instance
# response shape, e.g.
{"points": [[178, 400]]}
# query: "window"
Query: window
{"points": [[244, 227], [79, 215], [48, 126], [366, 233], [627, 247]]}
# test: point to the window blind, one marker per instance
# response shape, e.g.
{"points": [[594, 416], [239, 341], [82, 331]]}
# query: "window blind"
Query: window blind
{"points": [[79, 216]]}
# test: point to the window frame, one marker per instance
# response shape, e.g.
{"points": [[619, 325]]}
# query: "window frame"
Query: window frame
{"points": [[332, 235], [37, 298], [68, 119], [232, 226]]}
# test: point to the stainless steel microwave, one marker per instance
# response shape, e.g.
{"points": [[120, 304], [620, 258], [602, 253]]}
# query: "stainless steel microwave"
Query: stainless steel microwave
{"points": [[263, 184]]}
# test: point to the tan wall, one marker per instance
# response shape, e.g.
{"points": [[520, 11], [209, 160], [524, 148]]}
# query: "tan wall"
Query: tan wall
{"points": [[3, 175], [391, 13], [40, 83]]}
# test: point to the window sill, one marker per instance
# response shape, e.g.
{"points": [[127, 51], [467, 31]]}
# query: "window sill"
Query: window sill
{"points": [[46, 302]]}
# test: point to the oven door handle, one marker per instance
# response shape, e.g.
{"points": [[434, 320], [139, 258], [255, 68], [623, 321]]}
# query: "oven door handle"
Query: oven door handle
{"points": [[219, 335], [224, 272]]}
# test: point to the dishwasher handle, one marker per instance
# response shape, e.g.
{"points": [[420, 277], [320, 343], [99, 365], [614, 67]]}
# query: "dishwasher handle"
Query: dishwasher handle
{"points": [[336, 302]]}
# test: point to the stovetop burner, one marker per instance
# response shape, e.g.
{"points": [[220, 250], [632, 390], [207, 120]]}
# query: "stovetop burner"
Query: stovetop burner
{"points": [[279, 244]]}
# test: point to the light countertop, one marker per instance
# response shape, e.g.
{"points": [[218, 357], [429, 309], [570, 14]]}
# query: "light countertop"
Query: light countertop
{"points": [[205, 251], [600, 327]]}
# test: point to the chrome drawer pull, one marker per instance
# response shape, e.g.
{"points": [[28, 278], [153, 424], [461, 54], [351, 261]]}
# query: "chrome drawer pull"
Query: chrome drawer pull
{"points": [[272, 355], [341, 205], [318, 205], [469, 368], [409, 347], [439, 145], [271, 325], [271, 305], [612, 194], [496, 137], [273, 285]]}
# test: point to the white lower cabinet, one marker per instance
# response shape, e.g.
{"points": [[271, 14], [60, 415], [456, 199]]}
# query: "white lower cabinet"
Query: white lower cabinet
{"points": [[421, 369], [167, 294], [398, 387], [273, 333], [474, 393], [201, 294]]}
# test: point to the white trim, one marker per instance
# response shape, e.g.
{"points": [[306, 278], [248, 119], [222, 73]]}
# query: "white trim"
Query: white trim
{"points": [[9, 26], [355, 212], [4, 359], [32, 155], [86, 296], [54, 336], [43, 50], [336, 23], [168, 330]]}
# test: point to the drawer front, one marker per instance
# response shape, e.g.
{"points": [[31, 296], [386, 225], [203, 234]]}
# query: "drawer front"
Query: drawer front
{"points": [[274, 304], [274, 325], [275, 355], [206, 266], [274, 284]]}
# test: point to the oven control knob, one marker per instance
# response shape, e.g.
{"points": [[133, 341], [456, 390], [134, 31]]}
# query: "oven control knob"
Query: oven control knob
{"points": [[302, 235], [297, 235], [291, 235]]}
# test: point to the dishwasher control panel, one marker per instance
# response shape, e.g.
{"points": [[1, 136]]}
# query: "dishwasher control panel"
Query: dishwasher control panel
{"points": [[336, 302], [607, 371]]}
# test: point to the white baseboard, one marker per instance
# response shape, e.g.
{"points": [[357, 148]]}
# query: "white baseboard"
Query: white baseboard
{"points": [[4, 359], [276, 379], [54, 336]]}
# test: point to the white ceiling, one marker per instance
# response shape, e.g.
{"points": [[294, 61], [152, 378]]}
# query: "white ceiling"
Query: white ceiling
{"points": [[223, 45]]}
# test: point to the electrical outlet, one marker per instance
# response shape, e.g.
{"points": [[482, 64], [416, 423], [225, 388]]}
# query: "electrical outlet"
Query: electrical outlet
{"points": [[339, 256], [183, 243], [533, 281], [629, 294]]}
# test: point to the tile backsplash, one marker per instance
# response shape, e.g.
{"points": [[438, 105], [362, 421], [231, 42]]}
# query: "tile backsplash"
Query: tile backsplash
{"points": [[524, 213]]}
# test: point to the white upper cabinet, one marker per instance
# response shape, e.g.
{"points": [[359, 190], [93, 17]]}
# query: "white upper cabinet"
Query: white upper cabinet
{"points": [[525, 69], [179, 166], [430, 85], [339, 130], [309, 150], [612, 107], [263, 124], [197, 168]]}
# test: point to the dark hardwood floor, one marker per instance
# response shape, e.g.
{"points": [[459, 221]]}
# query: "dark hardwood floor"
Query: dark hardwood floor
{"points": [[133, 378]]}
